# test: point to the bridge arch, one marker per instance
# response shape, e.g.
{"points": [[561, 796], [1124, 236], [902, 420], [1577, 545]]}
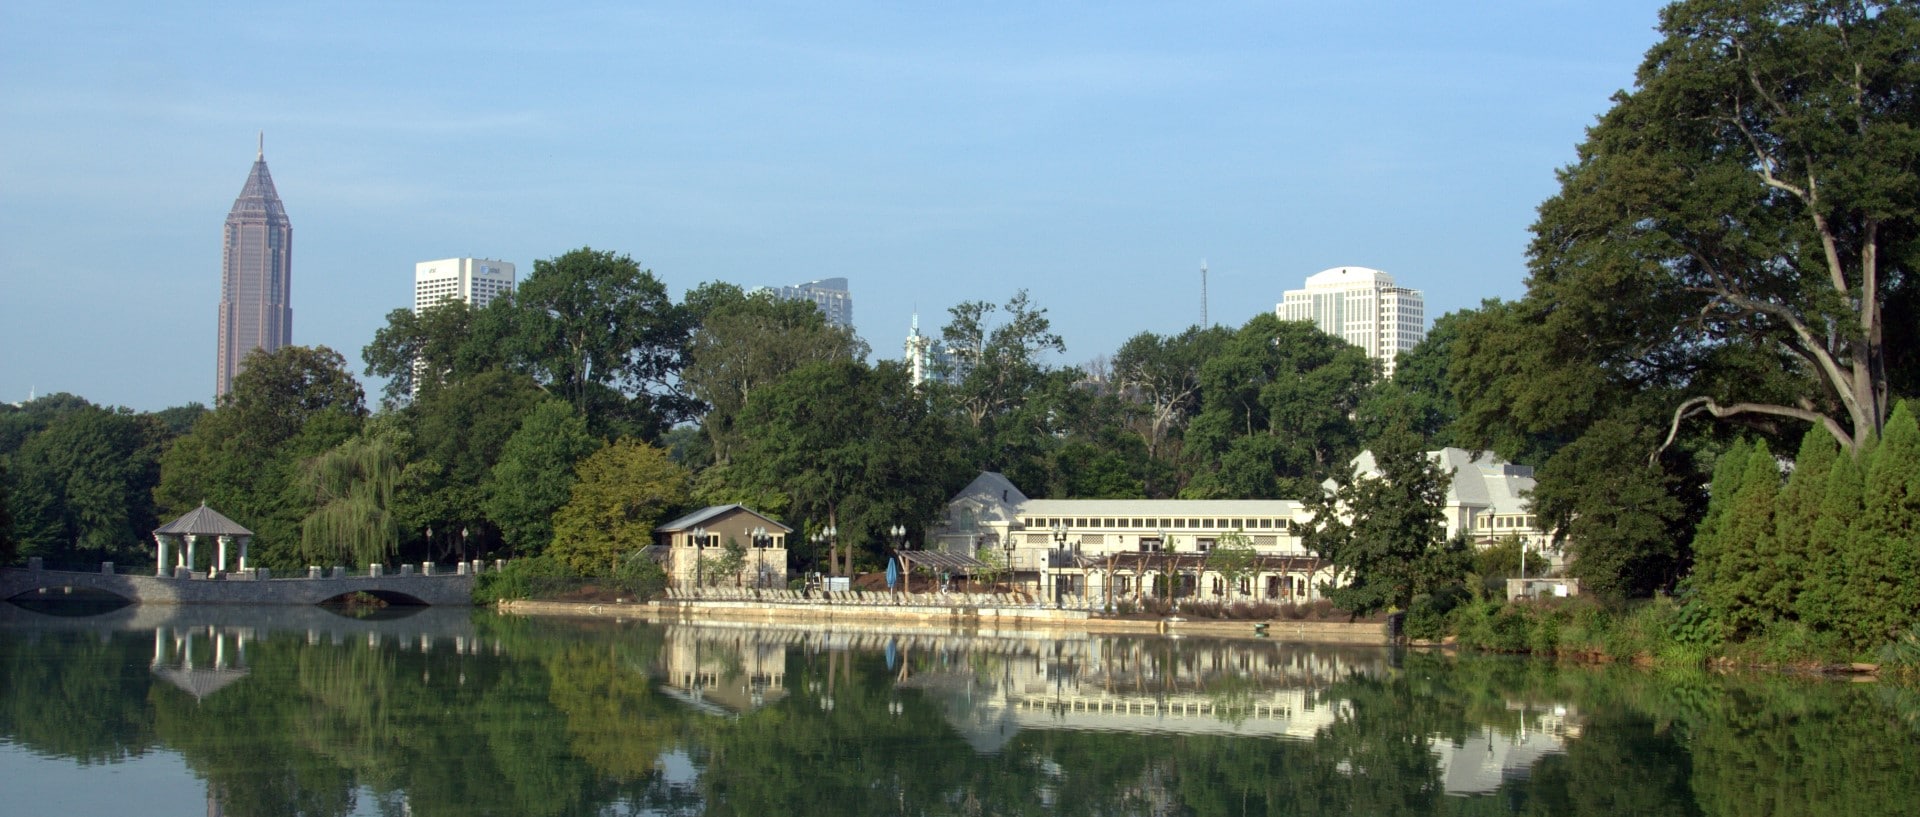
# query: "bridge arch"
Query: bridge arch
{"points": [[386, 596]]}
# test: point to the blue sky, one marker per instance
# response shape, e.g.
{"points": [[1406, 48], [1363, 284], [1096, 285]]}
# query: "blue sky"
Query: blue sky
{"points": [[1092, 154]]}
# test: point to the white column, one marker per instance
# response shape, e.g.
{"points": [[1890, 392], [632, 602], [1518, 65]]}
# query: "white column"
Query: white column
{"points": [[160, 563], [243, 552], [220, 552], [187, 558]]}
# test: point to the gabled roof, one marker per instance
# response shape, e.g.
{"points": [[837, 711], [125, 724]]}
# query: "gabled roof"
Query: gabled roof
{"points": [[203, 521], [1479, 479], [712, 512]]}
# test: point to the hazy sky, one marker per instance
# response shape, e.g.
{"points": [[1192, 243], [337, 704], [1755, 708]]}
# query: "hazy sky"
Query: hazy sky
{"points": [[1093, 154]]}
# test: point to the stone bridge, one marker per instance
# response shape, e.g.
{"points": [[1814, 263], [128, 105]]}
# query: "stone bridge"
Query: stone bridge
{"points": [[453, 589]]}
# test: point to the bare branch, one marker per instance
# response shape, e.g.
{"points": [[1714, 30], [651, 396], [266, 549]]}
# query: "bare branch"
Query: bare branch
{"points": [[1697, 405]]}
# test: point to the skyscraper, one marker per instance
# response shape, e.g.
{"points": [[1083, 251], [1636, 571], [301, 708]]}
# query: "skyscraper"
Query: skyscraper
{"points": [[830, 294], [256, 276], [1363, 307], [474, 280]]}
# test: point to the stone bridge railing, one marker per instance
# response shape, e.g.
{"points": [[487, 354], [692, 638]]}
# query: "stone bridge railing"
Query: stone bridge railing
{"points": [[453, 587]]}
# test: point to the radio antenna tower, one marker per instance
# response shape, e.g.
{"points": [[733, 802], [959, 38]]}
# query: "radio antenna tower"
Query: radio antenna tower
{"points": [[1203, 294]]}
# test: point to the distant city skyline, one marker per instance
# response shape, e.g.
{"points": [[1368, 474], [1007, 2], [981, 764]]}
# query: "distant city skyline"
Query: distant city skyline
{"points": [[1092, 155], [832, 295]]}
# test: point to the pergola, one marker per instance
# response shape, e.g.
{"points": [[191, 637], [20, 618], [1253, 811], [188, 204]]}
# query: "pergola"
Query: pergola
{"points": [[184, 532], [1139, 565], [939, 561]]}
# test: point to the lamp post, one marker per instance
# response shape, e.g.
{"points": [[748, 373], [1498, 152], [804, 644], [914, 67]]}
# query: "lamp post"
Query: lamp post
{"points": [[898, 533], [699, 542], [825, 537], [760, 542], [1059, 544], [1008, 545], [1172, 571]]}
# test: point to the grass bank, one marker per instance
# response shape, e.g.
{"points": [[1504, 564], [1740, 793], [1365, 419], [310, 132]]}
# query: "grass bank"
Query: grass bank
{"points": [[1660, 631]]}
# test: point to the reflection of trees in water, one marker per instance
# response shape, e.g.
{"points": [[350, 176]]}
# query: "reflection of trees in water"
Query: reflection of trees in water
{"points": [[533, 717]]}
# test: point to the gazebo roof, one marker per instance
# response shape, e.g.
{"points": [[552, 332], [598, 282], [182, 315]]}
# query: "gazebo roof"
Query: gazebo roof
{"points": [[203, 521]]}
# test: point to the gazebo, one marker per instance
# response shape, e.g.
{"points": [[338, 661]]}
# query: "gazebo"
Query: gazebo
{"points": [[182, 533]]}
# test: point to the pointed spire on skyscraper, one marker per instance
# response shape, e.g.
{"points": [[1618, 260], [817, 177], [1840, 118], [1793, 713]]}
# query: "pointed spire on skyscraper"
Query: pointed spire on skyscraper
{"points": [[261, 155]]}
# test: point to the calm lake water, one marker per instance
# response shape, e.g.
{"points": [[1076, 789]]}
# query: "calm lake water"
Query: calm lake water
{"points": [[281, 711]]}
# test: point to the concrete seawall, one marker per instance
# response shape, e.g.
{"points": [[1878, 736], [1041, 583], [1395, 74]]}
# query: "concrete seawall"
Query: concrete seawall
{"points": [[1026, 619]]}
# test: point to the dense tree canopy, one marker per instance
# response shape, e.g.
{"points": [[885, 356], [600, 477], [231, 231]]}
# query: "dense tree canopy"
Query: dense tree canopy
{"points": [[600, 332], [534, 475], [744, 342], [852, 446], [618, 494], [83, 485], [1752, 206], [1277, 407]]}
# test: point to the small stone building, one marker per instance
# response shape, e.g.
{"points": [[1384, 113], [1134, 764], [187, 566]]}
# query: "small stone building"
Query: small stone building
{"points": [[693, 546]]}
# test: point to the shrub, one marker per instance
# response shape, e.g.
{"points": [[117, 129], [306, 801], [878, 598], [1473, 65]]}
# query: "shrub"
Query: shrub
{"points": [[1428, 619], [1901, 656]]}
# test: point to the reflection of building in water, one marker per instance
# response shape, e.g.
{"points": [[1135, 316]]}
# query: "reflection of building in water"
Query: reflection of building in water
{"points": [[200, 661], [1481, 763], [723, 672], [1133, 685]]}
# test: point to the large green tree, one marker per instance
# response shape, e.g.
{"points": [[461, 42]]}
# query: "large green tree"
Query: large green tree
{"points": [[1386, 532], [7, 547], [351, 487], [534, 475], [1278, 402], [1160, 377], [599, 331], [84, 485], [992, 371], [744, 342], [285, 407], [850, 445], [456, 436], [618, 494], [1753, 204], [421, 351]]}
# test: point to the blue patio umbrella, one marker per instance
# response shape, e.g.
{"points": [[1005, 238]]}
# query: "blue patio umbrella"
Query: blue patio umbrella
{"points": [[893, 573]]}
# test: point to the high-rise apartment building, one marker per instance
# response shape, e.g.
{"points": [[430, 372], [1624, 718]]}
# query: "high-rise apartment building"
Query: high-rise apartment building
{"points": [[830, 294], [926, 358], [256, 276], [474, 280], [1363, 307]]}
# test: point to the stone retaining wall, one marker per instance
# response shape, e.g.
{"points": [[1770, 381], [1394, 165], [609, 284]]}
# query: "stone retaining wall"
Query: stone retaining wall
{"points": [[985, 618]]}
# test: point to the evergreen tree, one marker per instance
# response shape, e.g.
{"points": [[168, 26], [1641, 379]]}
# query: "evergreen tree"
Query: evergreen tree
{"points": [[1826, 598], [1743, 572], [1707, 550], [1884, 560], [1794, 515]]}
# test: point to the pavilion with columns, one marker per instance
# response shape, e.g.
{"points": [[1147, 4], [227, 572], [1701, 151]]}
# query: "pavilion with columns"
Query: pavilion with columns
{"points": [[183, 533]]}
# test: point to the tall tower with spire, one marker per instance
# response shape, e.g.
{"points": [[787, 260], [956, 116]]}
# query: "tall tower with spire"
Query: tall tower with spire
{"points": [[256, 275]]}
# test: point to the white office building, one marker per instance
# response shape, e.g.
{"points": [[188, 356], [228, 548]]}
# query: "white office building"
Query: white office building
{"points": [[926, 357], [474, 280], [1363, 307]]}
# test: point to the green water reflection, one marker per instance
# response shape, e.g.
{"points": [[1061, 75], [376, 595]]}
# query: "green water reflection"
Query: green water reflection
{"points": [[284, 712]]}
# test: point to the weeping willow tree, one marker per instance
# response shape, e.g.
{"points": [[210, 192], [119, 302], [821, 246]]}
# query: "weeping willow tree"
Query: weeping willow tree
{"points": [[351, 486]]}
